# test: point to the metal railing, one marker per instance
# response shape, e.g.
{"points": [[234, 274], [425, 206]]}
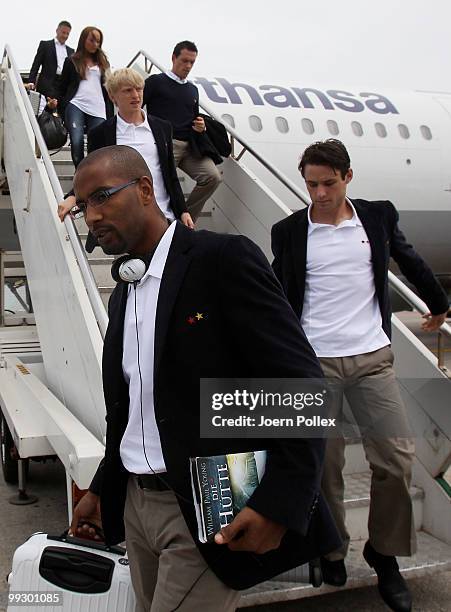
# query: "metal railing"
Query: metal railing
{"points": [[417, 304], [42, 153], [235, 137]]}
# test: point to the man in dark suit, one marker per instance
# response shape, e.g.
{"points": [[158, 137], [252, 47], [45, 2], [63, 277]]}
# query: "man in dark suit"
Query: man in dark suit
{"points": [[150, 136], [332, 259], [50, 58], [208, 306]]}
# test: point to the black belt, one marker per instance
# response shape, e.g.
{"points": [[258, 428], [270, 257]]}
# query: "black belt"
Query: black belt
{"points": [[153, 482]]}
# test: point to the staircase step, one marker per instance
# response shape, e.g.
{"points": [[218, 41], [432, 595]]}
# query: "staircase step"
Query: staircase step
{"points": [[66, 183], [432, 556], [64, 167], [5, 202], [102, 274], [355, 460], [357, 502], [63, 162], [103, 260], [105, 292]]}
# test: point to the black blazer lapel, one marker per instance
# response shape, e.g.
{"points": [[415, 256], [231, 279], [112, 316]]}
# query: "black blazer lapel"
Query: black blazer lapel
{"points": [[298, 247], [374, 231], [109, 129], [162, 147], [113, 343], [173, 275], [52, 56]]}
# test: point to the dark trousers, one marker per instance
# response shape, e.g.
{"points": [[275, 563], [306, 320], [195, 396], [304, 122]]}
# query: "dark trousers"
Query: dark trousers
{"points": [[76, 122]]}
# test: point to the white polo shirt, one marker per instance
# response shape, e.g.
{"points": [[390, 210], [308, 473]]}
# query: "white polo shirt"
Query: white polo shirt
{"points": [[146, 295], [341, 315], [141, 138]]}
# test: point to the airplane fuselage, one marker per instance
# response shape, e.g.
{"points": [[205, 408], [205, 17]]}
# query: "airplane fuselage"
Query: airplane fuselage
{"points": [[399, 143]]}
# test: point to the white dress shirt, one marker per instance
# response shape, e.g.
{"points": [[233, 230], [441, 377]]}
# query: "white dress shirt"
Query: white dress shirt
{"points": [[61, 54], [141, 412], [341, 315], [141, 138]]}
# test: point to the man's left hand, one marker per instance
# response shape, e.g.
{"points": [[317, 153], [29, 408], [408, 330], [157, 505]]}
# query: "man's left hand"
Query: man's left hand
{"points": [[433, 322], [199, 125], [251, 532]]}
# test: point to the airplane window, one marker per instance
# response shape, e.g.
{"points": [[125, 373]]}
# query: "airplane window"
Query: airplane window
{"points": [[255, 123], [228, 119], [381, 130], [357, 128], [426, 132], [403, 131], [282, 125], [307, 126], [332, 126]]}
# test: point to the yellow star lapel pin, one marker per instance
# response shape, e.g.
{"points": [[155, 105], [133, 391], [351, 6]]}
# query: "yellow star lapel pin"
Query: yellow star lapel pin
{"points": [[199, 316]]}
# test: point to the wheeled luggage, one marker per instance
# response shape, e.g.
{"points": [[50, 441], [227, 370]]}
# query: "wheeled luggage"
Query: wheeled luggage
{"points": [[67, 574]]}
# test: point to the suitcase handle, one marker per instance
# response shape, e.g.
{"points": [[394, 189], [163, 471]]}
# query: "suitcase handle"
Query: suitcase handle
{"points": [[85, 543], [76, 570]]}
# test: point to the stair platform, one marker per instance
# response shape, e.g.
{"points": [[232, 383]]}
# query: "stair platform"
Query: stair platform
{"points": [[432, 556]]}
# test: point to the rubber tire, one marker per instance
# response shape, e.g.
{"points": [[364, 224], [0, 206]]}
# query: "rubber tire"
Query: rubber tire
{"points": [[10, 466]]}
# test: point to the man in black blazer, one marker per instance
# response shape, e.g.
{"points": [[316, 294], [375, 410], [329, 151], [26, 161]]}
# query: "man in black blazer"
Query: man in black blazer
{"points": [[50, 58], [149, 135], [332, 260], [214, 310]]}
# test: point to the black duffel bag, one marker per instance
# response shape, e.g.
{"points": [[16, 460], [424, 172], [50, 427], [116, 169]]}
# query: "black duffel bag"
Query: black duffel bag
{"points": [[52, 129], [218, 135]]}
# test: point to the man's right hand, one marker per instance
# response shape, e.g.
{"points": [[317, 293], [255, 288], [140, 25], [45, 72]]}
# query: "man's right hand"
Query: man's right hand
{"points": [[30, 86], [87, 511], [65, 206]]}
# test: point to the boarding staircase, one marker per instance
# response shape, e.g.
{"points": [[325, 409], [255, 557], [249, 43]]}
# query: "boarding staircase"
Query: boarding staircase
{"points": [[63, 409]]}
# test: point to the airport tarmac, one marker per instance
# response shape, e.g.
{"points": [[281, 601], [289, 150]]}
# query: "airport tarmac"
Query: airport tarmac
{"points": [[431, 593]]}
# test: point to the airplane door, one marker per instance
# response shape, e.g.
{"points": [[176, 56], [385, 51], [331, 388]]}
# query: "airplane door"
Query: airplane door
{"points": [[445, 102]]}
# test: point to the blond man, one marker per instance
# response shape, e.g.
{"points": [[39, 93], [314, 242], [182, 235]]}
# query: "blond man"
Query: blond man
{"points": [[149, 135]]}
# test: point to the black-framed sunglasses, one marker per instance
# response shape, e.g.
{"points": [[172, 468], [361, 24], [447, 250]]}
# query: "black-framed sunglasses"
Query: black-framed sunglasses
{"points": [[98, 198]]}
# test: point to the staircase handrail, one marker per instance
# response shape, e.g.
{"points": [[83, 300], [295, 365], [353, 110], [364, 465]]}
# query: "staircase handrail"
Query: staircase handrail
{"points": [[42, 152], [417, 303]]}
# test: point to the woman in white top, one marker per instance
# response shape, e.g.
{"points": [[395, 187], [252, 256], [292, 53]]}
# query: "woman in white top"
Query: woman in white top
{"points": [[82, 98]]}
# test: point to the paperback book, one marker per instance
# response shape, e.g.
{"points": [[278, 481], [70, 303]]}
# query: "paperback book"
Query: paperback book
{"points": [[222, 485]]}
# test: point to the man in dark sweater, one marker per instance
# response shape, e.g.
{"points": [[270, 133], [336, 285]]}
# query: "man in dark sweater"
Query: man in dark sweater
{"points": [[172, 97]]}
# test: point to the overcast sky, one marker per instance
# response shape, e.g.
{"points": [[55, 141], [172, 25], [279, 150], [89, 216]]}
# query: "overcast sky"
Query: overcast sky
{"points": [[385, 44]]}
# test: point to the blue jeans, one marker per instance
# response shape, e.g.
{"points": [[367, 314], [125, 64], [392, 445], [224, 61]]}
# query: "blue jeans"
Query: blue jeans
{"points": [[76, 121]]}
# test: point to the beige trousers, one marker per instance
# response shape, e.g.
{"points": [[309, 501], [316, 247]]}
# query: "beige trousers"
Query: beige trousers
{"points": [[168, 572], [203, 171], [370, 386]]}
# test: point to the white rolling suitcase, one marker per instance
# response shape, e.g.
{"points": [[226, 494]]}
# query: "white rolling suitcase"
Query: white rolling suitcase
{"points": [[64, 574]]}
